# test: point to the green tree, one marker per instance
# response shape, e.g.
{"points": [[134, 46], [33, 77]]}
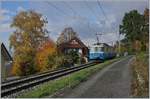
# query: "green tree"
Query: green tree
{"points": [[28, 36], [146, 29], [74, 56], [133, 27]]}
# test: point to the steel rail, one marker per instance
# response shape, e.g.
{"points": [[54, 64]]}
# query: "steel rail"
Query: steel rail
{"points": [[34, 77], [18, 85]]}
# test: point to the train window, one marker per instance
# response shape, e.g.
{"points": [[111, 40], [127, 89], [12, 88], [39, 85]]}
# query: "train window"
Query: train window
{"points": [[102, 49], [96, 49]]}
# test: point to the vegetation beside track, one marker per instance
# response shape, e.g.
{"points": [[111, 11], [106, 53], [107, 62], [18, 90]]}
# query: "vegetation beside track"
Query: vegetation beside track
{"points": [[70, 81], [140, 81]]}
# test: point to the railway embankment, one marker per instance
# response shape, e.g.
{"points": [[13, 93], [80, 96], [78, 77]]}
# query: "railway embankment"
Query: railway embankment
{"points": [[69, 81]]}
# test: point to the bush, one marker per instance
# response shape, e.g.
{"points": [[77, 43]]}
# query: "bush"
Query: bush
{"points": [[74, 56], [63, 61], [23, 65]]}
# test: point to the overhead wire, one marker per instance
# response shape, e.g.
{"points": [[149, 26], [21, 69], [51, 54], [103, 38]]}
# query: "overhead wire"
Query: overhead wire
{"points": [[92, 11], [96, 18], [96, 15], [58, 9], [63, 12], [54, 6], [100, 6], [74, 11], [103, 12]]}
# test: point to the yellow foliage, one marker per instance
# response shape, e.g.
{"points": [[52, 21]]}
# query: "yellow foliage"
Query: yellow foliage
{"points": [[29, 34], [45, 55], [23, 64], [16, 66]]}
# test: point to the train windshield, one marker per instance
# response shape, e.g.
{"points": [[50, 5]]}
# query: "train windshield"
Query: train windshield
{"points": [[95, 49]]}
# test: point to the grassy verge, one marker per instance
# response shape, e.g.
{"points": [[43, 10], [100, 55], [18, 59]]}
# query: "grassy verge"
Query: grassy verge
{"points": [[72, 80], [140, 81]]}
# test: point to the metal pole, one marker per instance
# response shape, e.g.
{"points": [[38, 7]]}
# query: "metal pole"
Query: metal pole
{"points": [[119, 44], [97, 37]]}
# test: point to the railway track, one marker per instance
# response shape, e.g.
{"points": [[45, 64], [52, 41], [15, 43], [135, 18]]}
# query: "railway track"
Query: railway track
{"points": [[15, 86]]}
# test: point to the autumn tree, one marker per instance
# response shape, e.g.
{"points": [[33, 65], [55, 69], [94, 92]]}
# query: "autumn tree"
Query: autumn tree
{"points": [[28, 36], [66, 35], [45, 57]]}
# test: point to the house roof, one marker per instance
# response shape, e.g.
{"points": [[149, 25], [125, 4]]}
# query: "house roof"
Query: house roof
{"points": [[73, 43], [5, 52]]}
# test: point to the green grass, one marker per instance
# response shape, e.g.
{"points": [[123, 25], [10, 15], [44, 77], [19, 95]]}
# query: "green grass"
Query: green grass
{"points": [[71, 80]]}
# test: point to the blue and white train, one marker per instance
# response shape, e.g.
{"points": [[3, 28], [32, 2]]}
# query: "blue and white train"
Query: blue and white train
{"points": [[101, 52]]}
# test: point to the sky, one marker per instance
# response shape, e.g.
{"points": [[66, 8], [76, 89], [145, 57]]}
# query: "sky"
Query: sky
{"points": [[85, 17]]}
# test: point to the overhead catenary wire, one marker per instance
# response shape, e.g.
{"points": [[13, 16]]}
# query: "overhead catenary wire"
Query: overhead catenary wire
{"points": [[95, 14], [92, 11], [100, 6], [64, 13], [77, 14], [74, 12], [58, 9], [54, 6]]}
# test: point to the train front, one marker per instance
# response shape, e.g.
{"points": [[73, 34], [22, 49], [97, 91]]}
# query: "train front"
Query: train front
{"points": [[96, 53]]}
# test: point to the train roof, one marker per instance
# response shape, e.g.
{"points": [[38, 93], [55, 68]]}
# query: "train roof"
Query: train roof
{"points": [[100, 45]]}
